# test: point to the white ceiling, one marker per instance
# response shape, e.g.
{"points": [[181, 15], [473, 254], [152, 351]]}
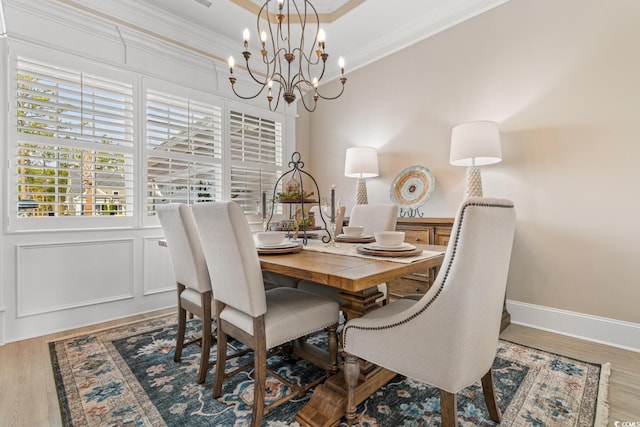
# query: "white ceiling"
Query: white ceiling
{"points": [[367, 31]]}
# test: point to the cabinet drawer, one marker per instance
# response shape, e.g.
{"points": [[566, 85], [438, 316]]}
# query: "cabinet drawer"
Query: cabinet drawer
{"points": [[417, 236]]}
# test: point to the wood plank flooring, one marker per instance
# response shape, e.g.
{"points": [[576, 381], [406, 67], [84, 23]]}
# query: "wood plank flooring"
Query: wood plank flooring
{"points": [[28, 396]]}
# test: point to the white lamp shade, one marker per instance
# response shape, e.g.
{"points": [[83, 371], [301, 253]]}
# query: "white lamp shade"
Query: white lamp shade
{"points": [[361, 162], [475, 143]]}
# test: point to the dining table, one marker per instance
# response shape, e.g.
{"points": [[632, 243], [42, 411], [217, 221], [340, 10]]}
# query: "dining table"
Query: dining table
{"points": [[357, 277]]}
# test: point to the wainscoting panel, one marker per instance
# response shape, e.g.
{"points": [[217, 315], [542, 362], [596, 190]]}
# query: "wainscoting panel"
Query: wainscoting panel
{"points": [[59, 276], [158, 271]]}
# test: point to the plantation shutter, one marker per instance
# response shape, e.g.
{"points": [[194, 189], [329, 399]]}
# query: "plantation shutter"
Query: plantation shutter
{"points": [[75, 143], [184, 151], [256, 159]]}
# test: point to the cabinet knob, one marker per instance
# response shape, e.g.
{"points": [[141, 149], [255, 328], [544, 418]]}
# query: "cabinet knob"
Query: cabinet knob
{"points": [[417, 239]]}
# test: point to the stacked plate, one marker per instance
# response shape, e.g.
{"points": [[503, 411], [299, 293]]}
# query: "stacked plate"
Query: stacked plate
{"points": [[377, 247], [402, 250], [363, 238], [281, 248]]}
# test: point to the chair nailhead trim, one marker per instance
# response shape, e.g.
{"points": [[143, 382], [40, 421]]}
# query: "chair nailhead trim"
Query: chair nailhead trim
{"points": [[444, 280]]}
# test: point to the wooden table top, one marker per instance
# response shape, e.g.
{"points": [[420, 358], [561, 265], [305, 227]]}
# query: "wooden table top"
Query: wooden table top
{"points": [[348, 273]]}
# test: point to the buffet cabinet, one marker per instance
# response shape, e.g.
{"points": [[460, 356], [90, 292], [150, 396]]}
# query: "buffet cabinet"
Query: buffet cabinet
{"points": [[427, 231], [430, 231]]}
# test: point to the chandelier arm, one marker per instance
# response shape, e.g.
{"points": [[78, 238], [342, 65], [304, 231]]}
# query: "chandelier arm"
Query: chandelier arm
{"points": [[304, 103], [343, 80], [282, 83], [277, 99], [309, 58], [255, 79], [247, 97], [298, 80]]}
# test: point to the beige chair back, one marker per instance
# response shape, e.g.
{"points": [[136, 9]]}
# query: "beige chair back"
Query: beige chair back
{"points": [[231, 256], [255, 222], [376, 217], [185, 247], [449, 337]]}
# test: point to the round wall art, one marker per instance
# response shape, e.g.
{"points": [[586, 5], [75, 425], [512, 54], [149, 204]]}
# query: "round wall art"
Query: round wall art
{"points": [[411, 188]]}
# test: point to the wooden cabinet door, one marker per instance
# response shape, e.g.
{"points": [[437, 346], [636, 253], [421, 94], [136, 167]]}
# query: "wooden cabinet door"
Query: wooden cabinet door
{"points": [[442, 235]]}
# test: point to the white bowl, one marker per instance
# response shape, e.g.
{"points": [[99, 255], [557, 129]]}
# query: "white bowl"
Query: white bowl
{"points": [[270, 238], [389, 238], [353, 230]]}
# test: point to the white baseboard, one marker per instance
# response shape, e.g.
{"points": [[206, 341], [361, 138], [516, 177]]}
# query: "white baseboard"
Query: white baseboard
{"points": [[616, 333], [2, 309]]}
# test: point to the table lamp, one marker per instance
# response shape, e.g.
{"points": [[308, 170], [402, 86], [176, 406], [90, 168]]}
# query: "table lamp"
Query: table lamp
{"points": [[361, 163], [475, 144]]}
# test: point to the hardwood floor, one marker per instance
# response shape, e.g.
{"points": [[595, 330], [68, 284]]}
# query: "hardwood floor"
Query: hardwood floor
{"points": [[28, 396]]}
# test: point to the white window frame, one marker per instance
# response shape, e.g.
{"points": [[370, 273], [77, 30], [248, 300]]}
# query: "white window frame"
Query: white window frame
{"points": [[80, 65], [180, 93], [140, 83]]}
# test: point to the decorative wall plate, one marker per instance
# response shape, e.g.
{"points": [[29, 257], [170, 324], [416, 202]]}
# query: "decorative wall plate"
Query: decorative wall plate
{"points": [[412, 187]]}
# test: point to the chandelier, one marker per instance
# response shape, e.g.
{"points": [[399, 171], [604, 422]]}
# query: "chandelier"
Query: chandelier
{"points": [[289, 61]]}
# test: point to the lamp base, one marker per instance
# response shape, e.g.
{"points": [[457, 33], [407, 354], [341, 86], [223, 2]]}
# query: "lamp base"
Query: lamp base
{"points": [[473, 182], [361, 192]]}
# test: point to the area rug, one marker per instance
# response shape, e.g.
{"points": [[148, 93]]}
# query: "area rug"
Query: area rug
{"points": [[126, 376]]}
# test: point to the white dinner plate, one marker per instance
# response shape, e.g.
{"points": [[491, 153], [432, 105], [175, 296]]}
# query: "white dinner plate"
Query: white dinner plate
{"points": [[403, 247], [362, 236], [278, 246]]}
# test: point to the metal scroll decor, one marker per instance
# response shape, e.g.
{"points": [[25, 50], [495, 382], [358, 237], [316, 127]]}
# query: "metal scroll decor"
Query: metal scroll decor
{"points": [[295, 193], [411, 189]]}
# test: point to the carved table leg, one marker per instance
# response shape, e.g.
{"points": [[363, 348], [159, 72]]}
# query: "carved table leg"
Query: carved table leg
{"points": [[360, 303], [328, 402]]}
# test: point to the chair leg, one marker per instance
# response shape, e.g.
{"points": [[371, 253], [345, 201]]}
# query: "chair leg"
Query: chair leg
{"points": [[220, 362], [448, 409], [205, 349], [490, 397], [333, 347], [260, 371], [351, 374], [182, 325]]}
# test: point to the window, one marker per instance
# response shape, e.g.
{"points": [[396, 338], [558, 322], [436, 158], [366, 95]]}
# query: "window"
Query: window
{"points": [[184, 151], [256, 159], [75, 143], [77, 161]]}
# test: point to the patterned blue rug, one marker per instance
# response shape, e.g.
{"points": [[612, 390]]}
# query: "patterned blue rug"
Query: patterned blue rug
{"points": [[126, 376]]}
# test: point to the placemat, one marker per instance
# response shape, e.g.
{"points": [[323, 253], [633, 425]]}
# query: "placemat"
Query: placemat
{"points": [[349, 249]]}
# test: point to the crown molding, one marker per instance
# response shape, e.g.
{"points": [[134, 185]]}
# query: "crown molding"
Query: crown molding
{"points": [[449, 14], [70, 14], [327, 13]]}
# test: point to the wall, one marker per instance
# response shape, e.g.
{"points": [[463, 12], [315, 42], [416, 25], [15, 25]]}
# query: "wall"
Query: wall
{"points": [[562, 79]]}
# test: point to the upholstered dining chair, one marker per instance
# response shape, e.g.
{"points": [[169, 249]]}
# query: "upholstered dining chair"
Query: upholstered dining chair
{"points": [[262, 320], [192, 277], [271, 280], [374, 217], [447, 338]]}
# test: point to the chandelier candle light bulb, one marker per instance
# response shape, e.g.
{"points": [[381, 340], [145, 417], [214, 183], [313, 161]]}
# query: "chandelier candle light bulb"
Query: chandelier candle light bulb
{"points": [[246, 35]]}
